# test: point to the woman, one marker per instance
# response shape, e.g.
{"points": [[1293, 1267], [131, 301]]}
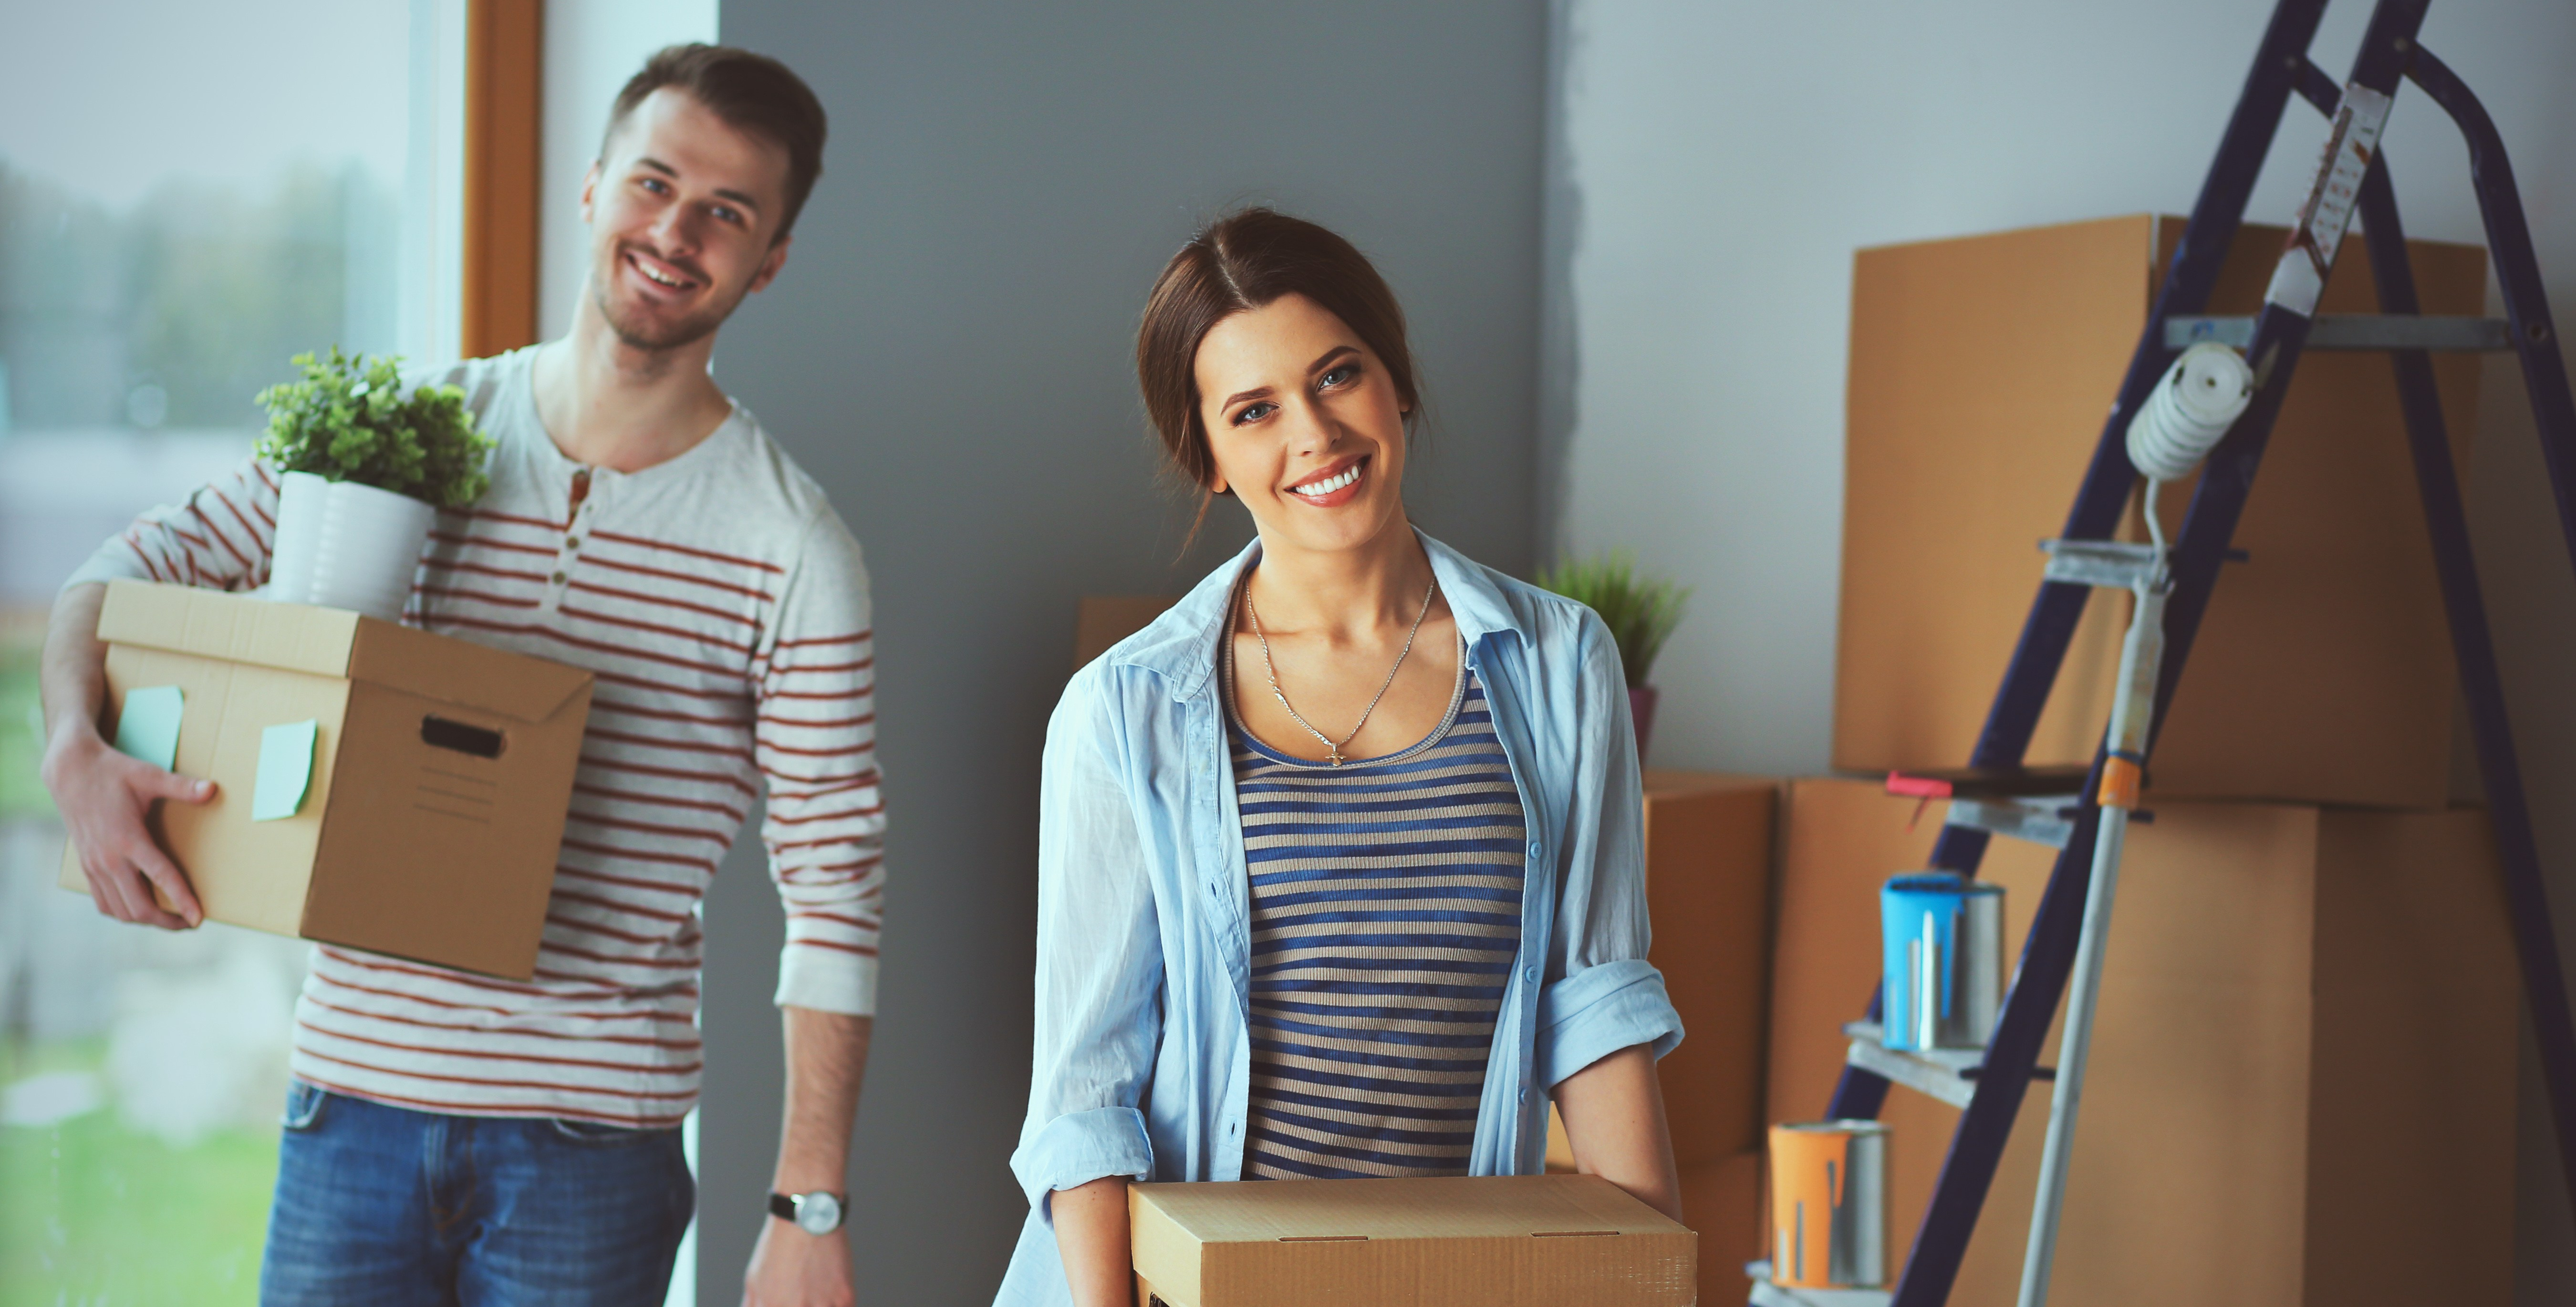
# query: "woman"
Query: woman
{"points": [[1339, 860]]}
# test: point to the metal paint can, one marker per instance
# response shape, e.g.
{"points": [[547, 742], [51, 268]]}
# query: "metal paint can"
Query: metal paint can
{"points": [[1943, 984], [1829, 1205]]}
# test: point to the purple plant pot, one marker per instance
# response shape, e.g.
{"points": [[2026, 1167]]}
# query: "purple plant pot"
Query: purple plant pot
{"points": [[1641, 710]]}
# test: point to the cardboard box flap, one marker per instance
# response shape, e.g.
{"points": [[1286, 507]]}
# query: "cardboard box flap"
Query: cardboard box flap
{"points": [[232, 627], [513, 685]]}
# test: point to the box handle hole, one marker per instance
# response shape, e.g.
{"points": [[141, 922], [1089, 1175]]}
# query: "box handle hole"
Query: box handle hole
{"points": [[440, 733]]}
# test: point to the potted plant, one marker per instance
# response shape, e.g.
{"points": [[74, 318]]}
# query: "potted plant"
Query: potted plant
{"points": [[363, 471], [1640, 613]]}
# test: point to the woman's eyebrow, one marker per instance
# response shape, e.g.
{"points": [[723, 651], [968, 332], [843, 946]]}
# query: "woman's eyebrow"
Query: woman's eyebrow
{"points": [[1329, 357], [1254, 393]]}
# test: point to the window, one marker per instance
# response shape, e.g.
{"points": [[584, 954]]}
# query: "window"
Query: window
{"points": [[191, 191]]}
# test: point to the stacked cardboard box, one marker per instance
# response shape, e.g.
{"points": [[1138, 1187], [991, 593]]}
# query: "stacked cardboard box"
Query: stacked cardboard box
{"points": [[2303, 1068], [2302, 1083], [1980, 372], [1708, 890]]}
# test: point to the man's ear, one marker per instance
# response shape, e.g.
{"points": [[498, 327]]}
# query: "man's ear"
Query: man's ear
{"points": [[771, 263], [589, 192]]}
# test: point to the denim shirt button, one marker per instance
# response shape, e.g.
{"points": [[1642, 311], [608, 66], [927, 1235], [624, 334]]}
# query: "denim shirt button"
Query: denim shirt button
{"points": [[1530, 974], [1534, 848]]}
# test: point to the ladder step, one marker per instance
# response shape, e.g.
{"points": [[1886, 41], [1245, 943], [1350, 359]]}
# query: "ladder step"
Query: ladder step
{"points": [[2348, 331], [1934, 1073], [1948, 1074], [1767, 1294], [2040, 821]]}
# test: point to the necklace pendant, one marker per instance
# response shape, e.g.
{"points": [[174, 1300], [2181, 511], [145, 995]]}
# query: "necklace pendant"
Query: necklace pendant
{"points": [[1335, 757]]}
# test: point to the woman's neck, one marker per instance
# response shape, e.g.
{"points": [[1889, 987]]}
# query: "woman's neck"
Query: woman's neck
{"points": [[1343, 594]]}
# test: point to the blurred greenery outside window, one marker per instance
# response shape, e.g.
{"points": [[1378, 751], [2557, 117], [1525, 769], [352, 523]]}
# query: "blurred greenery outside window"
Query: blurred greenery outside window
{"points": [[190, 192]]}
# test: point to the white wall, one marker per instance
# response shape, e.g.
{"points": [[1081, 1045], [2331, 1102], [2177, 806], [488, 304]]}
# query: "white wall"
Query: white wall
{"points": [[592, 47], [1715, 165]]}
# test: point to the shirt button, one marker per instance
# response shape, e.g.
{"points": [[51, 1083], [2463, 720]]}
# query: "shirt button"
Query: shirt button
{"points": [[1533, 848], [572, 542], [1530, 974], [1525, 1093], [558, 578]]}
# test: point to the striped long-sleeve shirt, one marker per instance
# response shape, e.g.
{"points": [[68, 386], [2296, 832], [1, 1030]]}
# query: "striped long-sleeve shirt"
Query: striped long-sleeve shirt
{"points": [[723, 609]]}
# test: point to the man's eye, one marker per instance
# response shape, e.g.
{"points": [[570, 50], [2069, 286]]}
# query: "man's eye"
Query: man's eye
{"points": [[1254, 412], [724, 213], [1340, 376], [653, 184]]}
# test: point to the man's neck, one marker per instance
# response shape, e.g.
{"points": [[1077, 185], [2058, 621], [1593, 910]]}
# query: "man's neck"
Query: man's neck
{"points": [[608, 404]]}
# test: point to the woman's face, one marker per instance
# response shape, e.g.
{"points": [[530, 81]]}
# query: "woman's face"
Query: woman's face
{"points": [[1304, 424]]}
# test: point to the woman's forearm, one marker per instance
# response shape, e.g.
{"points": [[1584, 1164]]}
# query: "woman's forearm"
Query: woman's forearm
{"points": [[1091, 1233], [1614, 1118]]}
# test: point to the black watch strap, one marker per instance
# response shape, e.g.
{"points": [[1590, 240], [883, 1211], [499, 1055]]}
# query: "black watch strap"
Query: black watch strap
{"points": [[782, 1207]]}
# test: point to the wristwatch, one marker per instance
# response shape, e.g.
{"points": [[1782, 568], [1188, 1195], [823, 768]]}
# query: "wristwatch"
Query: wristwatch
{"points": [[814, 1213]]}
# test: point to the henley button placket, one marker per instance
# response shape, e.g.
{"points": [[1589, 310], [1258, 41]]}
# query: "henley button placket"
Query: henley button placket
{"points": [[577, 520]]}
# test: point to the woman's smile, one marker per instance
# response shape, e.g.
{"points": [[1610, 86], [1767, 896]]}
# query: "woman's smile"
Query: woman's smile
{"points": [[1335, 485]]}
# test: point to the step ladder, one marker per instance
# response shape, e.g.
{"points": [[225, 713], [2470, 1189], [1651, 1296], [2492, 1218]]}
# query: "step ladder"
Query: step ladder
{"points": [[1997, 796]]}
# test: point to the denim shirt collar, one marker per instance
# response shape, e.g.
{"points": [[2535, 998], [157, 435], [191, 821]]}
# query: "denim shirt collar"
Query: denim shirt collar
{"points": [[1186, 657]]}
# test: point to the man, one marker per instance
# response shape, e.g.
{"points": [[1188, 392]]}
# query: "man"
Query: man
{"points": [[452, 1138]]}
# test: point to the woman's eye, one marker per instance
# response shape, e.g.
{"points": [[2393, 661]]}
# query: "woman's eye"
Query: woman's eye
{"points": [[1340, 376], [1254, 412]]}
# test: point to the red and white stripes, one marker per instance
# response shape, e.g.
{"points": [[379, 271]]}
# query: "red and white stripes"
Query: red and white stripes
{"points": [[723, 610]]}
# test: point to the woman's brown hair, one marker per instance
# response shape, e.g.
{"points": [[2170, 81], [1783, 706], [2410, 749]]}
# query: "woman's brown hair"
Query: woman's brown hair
{"points": [[1242, 261]]}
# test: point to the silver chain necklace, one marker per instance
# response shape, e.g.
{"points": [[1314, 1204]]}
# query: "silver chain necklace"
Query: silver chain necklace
{"points": [[1334, 751]]}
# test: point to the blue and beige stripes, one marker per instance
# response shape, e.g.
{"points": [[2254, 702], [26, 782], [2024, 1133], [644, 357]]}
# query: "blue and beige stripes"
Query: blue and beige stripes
{"points": [[1386, 910]]}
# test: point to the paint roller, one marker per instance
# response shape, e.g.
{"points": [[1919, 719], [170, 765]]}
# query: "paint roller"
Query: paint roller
{"points": [[2185, 417]]}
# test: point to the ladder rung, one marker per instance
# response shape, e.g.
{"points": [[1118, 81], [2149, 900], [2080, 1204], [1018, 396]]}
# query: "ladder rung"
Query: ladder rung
{"points": [[2040, 821], [1767, 1294], [1933, 1074], [2357, 331], [2113, 564]]}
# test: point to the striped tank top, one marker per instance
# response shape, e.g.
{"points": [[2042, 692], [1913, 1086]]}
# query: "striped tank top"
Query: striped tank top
{"points": [[1386, 912]]}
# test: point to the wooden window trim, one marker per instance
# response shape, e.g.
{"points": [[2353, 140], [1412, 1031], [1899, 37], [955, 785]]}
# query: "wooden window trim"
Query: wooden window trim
{"points": [[504, 156]]}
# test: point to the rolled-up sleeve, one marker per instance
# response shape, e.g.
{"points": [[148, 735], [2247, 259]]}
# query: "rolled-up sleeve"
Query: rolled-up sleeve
{"points": [[1099, 964], [1602, 995]]}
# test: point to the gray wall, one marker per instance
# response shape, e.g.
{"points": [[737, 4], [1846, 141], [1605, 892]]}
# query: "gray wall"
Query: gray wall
{"points": [[950, 350], [1713, 166]]}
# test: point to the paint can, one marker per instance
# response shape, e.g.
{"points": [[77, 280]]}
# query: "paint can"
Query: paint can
{"points": [[1943, 984], [1829, 1205]]}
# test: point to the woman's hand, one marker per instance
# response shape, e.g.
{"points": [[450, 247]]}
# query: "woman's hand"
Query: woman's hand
{"points": [[1614, 1118], [1091, 1233]]}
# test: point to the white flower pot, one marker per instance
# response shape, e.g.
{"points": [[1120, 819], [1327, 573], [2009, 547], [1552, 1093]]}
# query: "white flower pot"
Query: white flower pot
{"points": [[344, 545]]}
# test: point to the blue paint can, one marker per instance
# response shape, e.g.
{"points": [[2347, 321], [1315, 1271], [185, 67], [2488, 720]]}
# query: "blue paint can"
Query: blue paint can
{"points": [[1943, 983]]}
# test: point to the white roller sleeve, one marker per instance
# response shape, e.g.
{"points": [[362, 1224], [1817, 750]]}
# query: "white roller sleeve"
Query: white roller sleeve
{"points": [[2200, 397]]}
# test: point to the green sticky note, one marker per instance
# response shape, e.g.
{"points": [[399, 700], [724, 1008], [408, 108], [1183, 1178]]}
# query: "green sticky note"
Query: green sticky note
{"points": [[148, 726], [285, 769]]}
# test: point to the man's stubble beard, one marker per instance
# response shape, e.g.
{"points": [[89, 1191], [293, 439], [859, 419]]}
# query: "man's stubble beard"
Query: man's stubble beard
{"points": [[663, 339]]}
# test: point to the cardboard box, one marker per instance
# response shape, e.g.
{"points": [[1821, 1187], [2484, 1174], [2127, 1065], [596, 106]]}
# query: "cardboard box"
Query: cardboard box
{"points": [[440, 772], [1491, 1241], [1980, 372], [2304, 1064], [1708, 891]]}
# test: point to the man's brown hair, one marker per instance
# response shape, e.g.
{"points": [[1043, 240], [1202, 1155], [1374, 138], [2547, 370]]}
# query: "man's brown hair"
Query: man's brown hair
{"points": [[1242, 261], [752, 93]]}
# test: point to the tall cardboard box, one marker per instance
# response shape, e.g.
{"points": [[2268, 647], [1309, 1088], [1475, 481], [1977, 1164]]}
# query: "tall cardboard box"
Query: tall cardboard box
{"points": [[2304, 1064], [1489, 1241], [1981, 370], [439, 773], [1708, 893]]}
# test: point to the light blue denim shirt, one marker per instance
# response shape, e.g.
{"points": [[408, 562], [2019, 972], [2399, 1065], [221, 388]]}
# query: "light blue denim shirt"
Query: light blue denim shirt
{"points": [[1143, 1065]]}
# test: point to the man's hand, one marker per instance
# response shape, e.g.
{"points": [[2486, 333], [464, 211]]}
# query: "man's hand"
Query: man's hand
{"points": [[104, 797], [791, 1268]]}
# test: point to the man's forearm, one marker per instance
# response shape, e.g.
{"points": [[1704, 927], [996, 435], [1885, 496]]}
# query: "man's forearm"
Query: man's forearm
{"points": [[72, 678], [827, 1056]]}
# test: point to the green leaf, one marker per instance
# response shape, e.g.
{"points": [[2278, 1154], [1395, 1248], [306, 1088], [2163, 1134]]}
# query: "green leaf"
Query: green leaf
{"points": [[347, 419], [1641, 614]]}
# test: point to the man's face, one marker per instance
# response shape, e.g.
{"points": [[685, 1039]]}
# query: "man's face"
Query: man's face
{"points": [[684, 212]]}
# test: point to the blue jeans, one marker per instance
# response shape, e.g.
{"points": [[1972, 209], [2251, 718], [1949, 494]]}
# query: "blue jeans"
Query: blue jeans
{"points": [[386, 1207]]}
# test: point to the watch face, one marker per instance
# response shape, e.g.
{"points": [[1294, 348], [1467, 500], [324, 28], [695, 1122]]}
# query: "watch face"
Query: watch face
{"points": [[818, 1213]]}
